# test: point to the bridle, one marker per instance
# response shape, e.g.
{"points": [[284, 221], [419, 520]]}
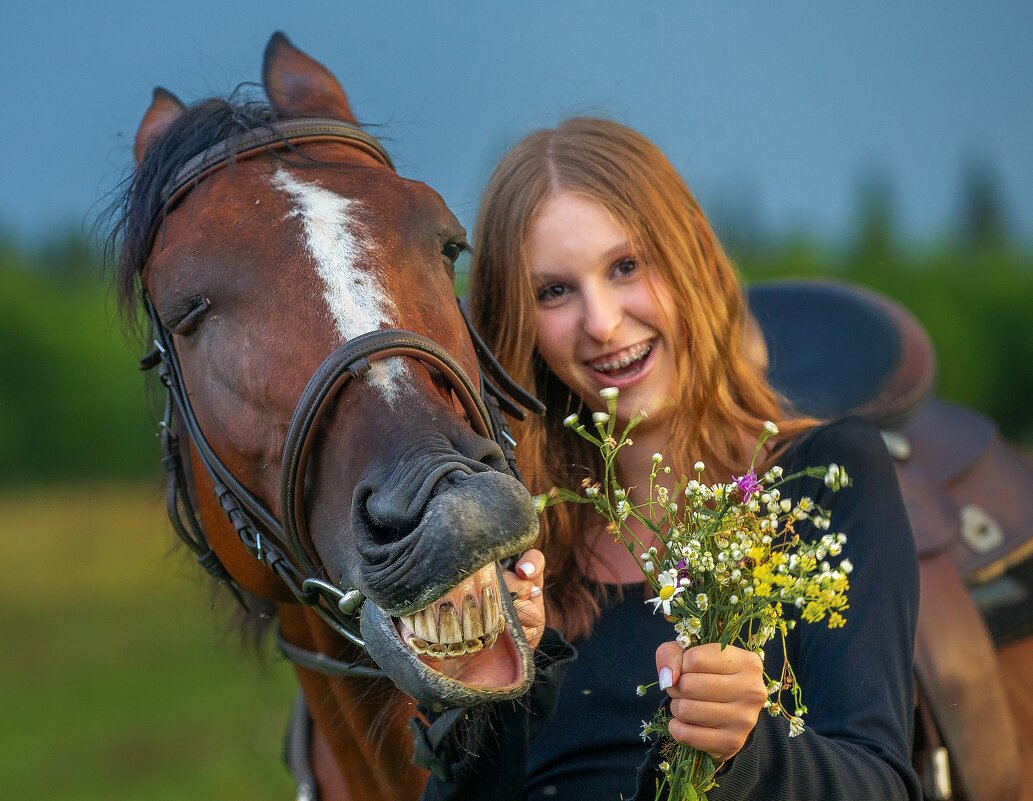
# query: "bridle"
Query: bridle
{"points": [[281, 544]]}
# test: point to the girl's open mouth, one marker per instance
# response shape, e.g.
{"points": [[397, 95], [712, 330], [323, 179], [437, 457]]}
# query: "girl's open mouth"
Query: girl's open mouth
{"points": [[624, 364]]}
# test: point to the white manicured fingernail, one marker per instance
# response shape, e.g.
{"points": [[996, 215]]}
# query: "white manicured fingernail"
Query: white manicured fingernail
{"points": [[666, 678], [527, 568]]}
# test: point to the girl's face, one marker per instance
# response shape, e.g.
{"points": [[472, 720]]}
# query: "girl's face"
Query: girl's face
{"points": [[603, 318]]}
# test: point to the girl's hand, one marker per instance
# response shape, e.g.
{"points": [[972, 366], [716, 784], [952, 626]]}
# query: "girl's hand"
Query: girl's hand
{"points": [[716, 695], [525, 585]]}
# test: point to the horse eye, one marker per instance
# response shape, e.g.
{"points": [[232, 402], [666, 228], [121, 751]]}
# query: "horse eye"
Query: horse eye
{"points": [[454, 249], [189, 321]]}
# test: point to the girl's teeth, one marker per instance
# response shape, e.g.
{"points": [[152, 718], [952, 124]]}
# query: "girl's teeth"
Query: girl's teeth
{"points": [[624, 361]]}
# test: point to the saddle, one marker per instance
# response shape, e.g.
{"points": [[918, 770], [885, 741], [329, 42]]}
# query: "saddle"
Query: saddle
{"points": [[834, 349]]}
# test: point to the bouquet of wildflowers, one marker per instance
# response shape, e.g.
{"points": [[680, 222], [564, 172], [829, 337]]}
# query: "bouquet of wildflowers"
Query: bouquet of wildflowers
{"points": [[729, 560]]}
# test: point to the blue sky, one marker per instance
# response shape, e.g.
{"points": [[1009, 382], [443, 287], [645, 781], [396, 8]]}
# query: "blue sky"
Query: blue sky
{"points": [[774, 111]]}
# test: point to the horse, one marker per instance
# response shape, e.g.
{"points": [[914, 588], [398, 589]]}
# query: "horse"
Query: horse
{"points": [[834, 349], [328, 451]]}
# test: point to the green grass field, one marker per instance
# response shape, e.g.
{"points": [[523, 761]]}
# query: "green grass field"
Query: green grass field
{"points": [[119, 676]]}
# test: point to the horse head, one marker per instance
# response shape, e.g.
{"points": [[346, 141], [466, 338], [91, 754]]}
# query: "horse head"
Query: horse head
{"points": [[302, 294]]}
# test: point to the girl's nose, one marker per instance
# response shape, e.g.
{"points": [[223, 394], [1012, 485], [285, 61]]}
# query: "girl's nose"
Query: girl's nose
{"points": [[603, 314]]}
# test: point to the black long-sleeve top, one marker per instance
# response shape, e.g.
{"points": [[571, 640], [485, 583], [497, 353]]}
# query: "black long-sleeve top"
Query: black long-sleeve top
{"points": [[857, 681]]}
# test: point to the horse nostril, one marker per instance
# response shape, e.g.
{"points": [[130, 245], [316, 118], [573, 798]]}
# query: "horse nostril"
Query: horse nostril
{"points": [[449, 481], [379, 516]]}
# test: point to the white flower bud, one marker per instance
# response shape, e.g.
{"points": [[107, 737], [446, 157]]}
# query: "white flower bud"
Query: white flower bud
{"points": [[698, 467], [570, 420], [608, 393], [770, 428], [599, 418], [657, 458]]}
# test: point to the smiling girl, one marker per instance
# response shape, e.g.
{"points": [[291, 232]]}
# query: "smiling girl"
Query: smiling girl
{"points": [[595, 267]]}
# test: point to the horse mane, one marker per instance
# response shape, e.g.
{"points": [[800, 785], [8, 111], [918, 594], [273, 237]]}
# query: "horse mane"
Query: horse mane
{"points": [[139, 200]]}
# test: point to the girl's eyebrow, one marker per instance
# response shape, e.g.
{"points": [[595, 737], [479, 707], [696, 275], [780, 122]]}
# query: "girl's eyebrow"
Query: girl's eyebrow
{"points": [[622, 248]]}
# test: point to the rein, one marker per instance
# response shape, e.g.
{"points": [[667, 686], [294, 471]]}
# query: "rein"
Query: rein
{"points": [[281, 545]]}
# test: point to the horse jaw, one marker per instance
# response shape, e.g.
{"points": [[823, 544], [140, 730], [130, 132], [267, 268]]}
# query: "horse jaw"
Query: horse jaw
{"points": [[502, 671]]}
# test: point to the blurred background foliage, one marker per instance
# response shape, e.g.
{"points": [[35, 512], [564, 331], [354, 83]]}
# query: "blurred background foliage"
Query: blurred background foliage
{"points": [[72, 403]]}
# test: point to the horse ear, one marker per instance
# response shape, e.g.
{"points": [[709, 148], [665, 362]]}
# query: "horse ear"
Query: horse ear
{"points": [[165, 109], [299, 86]]}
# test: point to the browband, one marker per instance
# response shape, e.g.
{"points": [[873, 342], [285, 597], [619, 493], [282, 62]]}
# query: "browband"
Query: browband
{"points": [[271, 136]]}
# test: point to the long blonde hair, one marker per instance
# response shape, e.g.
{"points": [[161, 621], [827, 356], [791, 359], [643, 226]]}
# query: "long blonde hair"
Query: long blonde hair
{"points": [[724, 393]]}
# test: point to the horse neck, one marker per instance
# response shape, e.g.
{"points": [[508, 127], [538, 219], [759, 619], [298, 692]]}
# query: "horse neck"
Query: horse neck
{"points": [[361, 743]]}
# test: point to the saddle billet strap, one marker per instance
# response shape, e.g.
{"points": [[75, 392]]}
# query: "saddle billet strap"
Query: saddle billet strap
{"points": [[271, 136], [958, 674]]}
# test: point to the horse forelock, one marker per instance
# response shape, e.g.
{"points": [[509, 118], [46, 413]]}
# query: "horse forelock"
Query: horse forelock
{"points": [[343, 251]]}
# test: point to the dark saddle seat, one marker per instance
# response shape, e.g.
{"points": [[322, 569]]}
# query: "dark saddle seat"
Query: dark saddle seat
{"points": [[837, 349], [834, 349]]}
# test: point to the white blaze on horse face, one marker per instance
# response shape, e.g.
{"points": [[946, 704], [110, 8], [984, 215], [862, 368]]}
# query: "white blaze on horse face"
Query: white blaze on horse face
{"points": [[356, 300]]}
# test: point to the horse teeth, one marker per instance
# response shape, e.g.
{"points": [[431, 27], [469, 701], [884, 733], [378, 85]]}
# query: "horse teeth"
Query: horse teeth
{"points": [[450, 630], [473, 646], [489, 608], [455, 649], [420, 626], [408, 622], [473, 627], [436, 650]]}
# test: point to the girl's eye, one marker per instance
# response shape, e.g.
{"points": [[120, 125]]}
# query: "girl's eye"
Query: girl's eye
{"points": [[625, 266], [550, 292]]}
